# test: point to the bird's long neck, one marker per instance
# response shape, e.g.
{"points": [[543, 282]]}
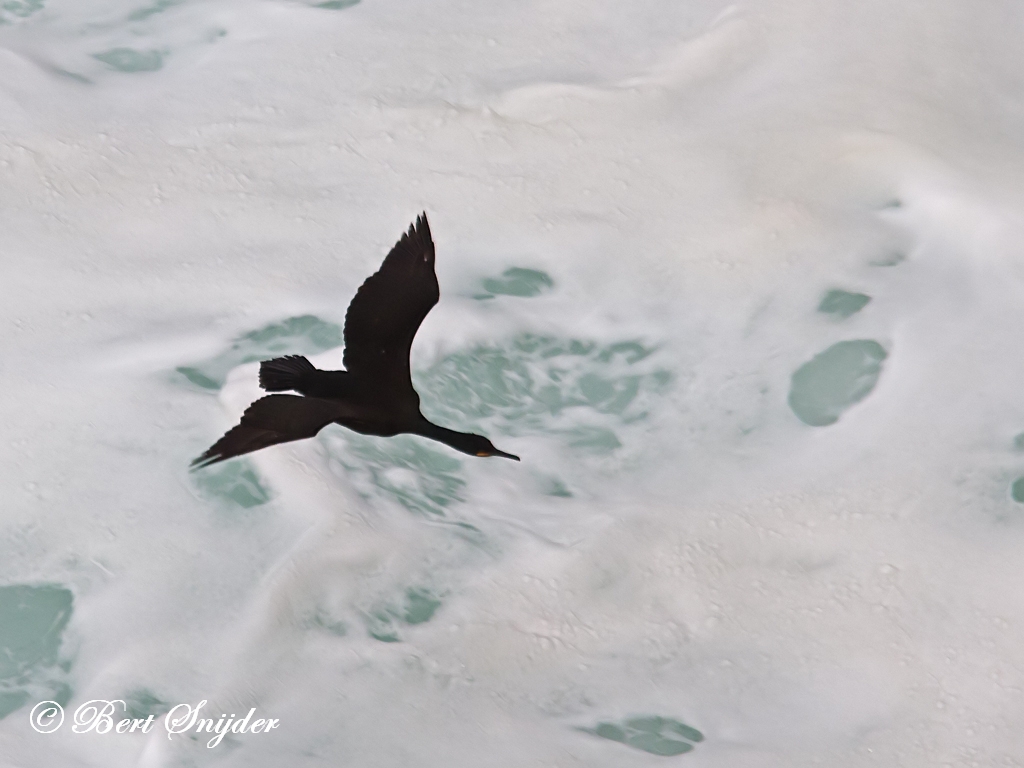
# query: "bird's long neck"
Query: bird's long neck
{"points": [[460, 441]]}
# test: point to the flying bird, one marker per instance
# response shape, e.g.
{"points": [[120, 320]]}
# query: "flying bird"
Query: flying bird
{"points": [[374, 394]]}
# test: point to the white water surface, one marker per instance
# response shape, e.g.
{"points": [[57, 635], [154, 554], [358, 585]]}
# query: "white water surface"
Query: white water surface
{"points": [[759, 349]]}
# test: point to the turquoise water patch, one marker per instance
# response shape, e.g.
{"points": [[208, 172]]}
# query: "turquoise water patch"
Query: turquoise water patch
{"points": [[234, 482], [1017, 490], [843, 304], [844, 374], [151, 10], [330, 5], [72, 76], [18, 9], [323, 620], [552, 486], [592, 439], [303, 335], [420, 476], [32, 620], [130, 60], [891, 259], [141, 703], [417, 607], [420, 605], [516, 281], [11, 701], [535, 377], [657, 735], [32, 623]]}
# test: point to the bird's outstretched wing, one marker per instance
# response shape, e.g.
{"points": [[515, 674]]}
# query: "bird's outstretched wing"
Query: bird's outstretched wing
{"points": [[274, 419], [387, 310]]}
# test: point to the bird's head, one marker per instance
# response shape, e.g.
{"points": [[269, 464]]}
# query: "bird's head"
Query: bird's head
{"points": [[478, 445]]}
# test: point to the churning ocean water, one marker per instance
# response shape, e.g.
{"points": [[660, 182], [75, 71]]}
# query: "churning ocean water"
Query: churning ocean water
{"points": [[742, 283]]}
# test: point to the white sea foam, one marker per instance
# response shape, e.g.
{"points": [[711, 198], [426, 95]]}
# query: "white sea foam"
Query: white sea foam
{"points": [[650, 219]]}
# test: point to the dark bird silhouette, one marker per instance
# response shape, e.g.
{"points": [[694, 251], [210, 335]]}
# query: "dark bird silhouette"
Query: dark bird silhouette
{"points": [[374, 395]]}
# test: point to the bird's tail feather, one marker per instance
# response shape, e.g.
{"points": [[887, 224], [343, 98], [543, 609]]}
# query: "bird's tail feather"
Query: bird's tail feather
{"points": [[284, 373]]}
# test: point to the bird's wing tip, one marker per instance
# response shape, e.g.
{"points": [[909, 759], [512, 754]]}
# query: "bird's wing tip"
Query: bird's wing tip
{"points": [[201, 462]]}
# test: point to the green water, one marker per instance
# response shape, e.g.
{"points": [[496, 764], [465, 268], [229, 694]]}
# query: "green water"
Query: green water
{"points": [[303, 335], [233, 482], [72, 75], [32, 623], [843, 304], [661, 736], [891, 259], [516, 281], [552, 486], [417, 606], [532, 377], [130, 60], [844, 374], [323, 620], [598, 440], [423, 477], [141, 703], [11, 701], [20, 9], [420, 606], [151, 10]]}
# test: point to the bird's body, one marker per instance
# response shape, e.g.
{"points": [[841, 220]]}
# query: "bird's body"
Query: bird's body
{"points": [[374, 395]]}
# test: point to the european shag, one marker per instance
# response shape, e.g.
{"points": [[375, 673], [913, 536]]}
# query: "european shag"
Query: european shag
{"points": [[374, 395]]}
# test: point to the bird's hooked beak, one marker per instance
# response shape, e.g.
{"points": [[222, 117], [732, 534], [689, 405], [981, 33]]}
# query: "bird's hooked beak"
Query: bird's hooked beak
{"points": [[504, 455]]}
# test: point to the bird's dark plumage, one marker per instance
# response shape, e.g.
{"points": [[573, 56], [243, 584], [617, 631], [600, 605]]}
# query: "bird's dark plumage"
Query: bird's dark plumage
{"points": [[285, 373], [374, 395], [388, 308], [275, 419]]}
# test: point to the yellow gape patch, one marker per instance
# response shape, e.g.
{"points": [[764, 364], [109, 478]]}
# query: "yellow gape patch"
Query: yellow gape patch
{"points": [[483, 453]]}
